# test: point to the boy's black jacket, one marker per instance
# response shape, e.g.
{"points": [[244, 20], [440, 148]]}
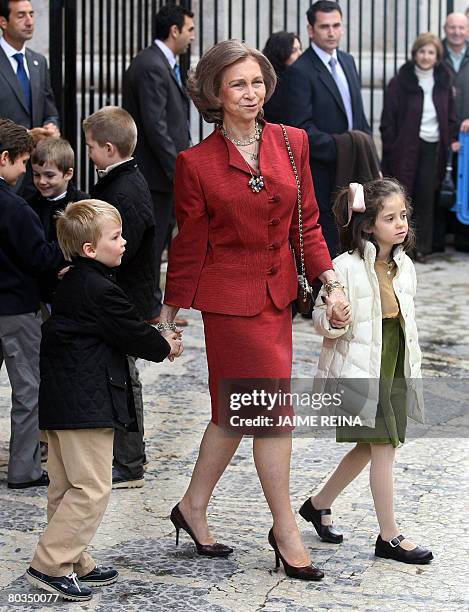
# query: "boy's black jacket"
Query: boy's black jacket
{"points": [[85, 380], [125, 188], [46, 211], [24, 254]]}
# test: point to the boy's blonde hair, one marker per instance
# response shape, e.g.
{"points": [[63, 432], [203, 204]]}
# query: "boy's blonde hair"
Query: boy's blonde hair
{"points": [[115, 125], [56, 150], [82, 222]]}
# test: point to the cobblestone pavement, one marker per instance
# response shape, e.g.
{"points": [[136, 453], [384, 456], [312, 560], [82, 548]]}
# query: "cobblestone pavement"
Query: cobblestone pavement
{"points": [[137, 537]]}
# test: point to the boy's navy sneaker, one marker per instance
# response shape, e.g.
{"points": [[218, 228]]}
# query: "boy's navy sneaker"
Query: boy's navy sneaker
{"points": [[119, 481], [100, 576], [68, 587], [42, 481]]}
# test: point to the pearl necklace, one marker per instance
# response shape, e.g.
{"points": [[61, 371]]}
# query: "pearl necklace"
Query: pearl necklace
{"points": [[255, 183], [243, 143]]}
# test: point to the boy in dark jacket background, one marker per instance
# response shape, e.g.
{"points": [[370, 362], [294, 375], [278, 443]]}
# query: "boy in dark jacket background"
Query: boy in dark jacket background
{"points": [[24, 255], [53, 163], [85, 394], [111, 136]]}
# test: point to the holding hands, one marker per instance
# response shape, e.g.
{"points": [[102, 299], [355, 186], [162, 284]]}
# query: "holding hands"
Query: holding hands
{"points": [[174, 339], [338, 309], [338, 312]]}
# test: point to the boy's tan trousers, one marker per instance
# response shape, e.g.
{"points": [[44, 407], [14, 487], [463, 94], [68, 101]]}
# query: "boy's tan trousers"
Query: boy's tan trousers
{"points": [[80, 473]]}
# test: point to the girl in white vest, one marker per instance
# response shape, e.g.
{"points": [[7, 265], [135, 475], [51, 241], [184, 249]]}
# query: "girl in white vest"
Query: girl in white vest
{"points": [[379, 345]]}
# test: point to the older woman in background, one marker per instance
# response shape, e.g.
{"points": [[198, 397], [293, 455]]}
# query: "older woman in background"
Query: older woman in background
{"points": [[236, 207], [418, 125], [282, 49]]}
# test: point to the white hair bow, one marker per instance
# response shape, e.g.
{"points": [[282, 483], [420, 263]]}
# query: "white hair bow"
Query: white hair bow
{"points": [[356, 200]]}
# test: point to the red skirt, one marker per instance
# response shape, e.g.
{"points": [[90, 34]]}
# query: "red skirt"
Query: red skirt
{"points": [[258, 347]]}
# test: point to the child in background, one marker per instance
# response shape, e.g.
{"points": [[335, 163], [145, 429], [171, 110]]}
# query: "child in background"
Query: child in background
{"points": [[111, 136], [381, 345], [84, 394], [24, 255], [53, 163]]}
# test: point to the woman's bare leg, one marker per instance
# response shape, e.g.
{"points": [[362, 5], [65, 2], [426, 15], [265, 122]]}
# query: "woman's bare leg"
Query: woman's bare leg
{"points": [[272, 458], [216, 451]]}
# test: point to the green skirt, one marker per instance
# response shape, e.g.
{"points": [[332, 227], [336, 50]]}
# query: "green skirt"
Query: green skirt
{"points": [[391, 413]]}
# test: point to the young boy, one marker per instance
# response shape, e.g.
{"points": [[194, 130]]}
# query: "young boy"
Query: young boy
{"points": [[24, 254], [111, 136], [84, 394], [53, 163]]}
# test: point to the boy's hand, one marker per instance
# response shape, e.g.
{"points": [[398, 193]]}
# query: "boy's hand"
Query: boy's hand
{"points": [[62, 272], [174, 340]]}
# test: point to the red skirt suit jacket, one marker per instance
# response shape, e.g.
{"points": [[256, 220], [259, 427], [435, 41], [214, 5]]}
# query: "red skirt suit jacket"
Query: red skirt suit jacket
{"points": [[233, 245]]}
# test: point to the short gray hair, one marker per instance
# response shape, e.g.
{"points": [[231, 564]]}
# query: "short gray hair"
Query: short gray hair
{"points": [[203, 85]]}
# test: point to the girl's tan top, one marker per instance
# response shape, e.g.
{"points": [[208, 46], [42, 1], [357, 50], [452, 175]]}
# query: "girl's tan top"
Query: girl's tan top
{"points": [[386, 272]]}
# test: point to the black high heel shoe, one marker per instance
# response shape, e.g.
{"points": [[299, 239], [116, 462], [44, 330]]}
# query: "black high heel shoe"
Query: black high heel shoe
{"points": [[393, 550], [208, 550], [308, 572], [327, 533]]}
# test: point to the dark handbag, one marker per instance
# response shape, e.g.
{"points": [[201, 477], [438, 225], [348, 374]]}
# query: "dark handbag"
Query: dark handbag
{"points": [[304, 298], [447, 190]]}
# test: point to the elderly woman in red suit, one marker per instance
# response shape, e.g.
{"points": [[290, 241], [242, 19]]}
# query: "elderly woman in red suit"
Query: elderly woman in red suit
{"points": [[235, 199]]}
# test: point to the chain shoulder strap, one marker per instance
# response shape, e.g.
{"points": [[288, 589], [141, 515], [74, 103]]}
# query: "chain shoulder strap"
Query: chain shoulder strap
{"points": [[300, 215]]}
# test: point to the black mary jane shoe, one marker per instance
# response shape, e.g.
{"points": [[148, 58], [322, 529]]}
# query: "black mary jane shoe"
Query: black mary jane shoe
{"points": [[327, 533], [393, 550], [68, 587], [307, 572], [100, 576]]}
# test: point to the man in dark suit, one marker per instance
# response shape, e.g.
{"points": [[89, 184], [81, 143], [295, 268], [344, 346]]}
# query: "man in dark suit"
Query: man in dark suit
{"points": [[25, 92], [324, 98], [153, 93], [456, 58]]}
